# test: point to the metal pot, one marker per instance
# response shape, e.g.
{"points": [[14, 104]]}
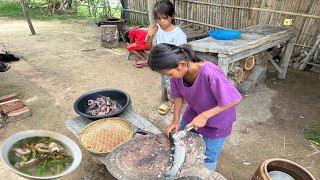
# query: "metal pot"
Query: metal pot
{"points": [[122, 99], [71, 145]]}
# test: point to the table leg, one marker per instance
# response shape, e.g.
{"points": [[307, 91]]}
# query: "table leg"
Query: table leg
{"points": [[222, 64], [286, 58], [164, 96]]}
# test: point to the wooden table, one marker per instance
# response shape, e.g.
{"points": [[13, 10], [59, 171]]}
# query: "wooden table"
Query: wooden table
{"points": [[253, 40]]}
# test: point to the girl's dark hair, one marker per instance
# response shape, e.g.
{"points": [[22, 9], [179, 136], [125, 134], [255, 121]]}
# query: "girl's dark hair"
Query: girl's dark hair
{"points": [[167, 56], [164, 8]]}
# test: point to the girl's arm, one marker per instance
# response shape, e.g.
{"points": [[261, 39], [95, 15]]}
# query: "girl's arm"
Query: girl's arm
{"points": [[201, 120], [151, 32], [177, 109], [175, 124]]}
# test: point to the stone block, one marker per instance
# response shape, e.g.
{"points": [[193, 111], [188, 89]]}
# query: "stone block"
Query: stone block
{"points": [[8, 97], [257, 74], [18, 114], [11, 105], [247, 87]]}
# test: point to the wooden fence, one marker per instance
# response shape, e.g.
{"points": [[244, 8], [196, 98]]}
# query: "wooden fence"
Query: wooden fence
{"points": [[238, 14]]}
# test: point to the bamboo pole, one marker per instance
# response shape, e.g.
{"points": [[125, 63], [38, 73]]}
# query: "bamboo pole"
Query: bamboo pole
{"points": [[151, 4], [256, 9], [189, 13], [310, 26], [200, 23], [310, 55], [135, 11], [211, 14], [25, 12]]}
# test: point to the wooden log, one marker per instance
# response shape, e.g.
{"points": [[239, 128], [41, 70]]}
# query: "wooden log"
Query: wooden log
{"points": [[249, 63]]}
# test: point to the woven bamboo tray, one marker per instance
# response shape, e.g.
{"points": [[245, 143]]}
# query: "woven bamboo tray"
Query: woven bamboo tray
{"points": [[105, 135]]}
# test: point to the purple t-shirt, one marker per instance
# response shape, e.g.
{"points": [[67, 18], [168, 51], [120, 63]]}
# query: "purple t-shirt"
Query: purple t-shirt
{"points": [[210, 89]]}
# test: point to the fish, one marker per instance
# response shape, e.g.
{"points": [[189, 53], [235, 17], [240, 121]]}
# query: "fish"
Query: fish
{"points": [[32, 162], [179, 156], [22, 151], [101, 106]]}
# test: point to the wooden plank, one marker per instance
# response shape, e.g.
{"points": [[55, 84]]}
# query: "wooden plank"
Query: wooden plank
{"points": [[275, 65], [228, 59], [251, 37]]}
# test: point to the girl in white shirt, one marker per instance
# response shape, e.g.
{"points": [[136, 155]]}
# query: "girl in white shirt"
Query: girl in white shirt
{"points": [[166, 32]]}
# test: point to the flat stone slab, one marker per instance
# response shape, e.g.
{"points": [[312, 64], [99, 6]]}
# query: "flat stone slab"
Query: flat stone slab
{"points": [[147, 157], [146, 146]]}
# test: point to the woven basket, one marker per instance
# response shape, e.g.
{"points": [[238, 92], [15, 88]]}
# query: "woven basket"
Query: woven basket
{"points": [[105, 135]]}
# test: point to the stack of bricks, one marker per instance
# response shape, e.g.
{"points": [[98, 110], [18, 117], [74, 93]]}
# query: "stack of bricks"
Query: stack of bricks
{"points": [[11, 107]]}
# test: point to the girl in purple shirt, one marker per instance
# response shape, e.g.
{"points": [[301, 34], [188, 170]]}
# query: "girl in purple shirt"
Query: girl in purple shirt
{"points": [[210, 96]]}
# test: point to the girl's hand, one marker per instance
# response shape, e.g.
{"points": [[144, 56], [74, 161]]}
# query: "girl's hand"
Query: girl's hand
{"points": [[198, 122], [152, 30], [174, 125]]}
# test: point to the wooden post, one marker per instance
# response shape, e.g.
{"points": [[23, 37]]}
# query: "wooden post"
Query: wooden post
{"points": [[151, 4], [222, 64], [286, 58], [310, 54], [24, 9], [124, 14]]}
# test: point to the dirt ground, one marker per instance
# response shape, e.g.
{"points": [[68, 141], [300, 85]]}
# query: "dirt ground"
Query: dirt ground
{"points": [[57, 68]]}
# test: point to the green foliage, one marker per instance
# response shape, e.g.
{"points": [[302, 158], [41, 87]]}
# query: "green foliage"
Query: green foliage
{"points": [[37, 11], [10, 9], [13, 10], [98, 9], [311, 132]]}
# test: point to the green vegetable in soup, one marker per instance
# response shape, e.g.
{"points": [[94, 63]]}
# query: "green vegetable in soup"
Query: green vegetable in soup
{"points": [[40, 156]]}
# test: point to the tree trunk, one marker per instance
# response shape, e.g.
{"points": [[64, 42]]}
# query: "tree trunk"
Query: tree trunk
{"points": [[24, 9], [124, 14]]}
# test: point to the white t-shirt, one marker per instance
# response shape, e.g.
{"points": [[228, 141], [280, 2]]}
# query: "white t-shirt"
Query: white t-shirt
{"points": [[175, 37]]}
